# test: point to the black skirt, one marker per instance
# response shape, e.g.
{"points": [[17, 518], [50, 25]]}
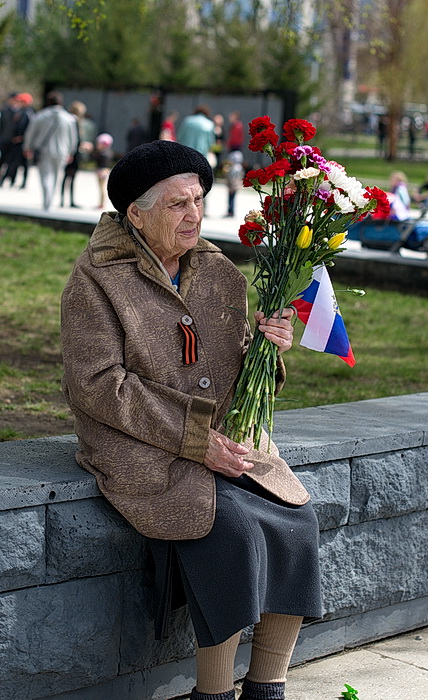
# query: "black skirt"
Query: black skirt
{"points": [[260, 556]]}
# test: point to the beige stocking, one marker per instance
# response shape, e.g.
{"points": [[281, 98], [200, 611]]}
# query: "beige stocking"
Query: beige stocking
{"points": [[274, 639], [215, 666]]}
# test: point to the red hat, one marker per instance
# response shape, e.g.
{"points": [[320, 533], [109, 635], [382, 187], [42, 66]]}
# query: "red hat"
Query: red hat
{"points": [[24, 97]]}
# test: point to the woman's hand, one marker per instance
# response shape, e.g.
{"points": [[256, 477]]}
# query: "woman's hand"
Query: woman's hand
{"points": [[225, 456], [278, 330]]}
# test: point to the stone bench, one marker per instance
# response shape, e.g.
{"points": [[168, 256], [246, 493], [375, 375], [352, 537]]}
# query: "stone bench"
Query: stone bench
{"points": [[76, 590]]}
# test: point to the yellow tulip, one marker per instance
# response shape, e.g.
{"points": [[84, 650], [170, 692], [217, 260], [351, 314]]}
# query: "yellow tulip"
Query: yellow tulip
{"points": [[304, 239], [336, 240]]}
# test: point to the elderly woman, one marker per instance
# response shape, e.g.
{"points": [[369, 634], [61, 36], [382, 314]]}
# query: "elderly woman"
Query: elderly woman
{"points": [[154, 333]]}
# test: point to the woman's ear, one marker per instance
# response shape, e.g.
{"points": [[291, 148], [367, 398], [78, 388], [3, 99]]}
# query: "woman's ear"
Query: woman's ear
{"points": [[134, 215]]}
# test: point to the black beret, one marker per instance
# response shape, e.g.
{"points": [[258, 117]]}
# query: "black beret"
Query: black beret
{"points": [[150, 163]]}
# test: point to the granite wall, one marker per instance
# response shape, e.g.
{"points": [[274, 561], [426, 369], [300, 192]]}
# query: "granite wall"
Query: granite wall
{"points": [[76, 582]]}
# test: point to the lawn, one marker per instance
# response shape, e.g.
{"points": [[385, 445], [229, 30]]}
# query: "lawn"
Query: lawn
{"points": [[359, 140], [388, 332], [36, 262]]}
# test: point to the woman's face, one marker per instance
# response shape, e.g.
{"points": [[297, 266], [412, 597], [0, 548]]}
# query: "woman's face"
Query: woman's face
{"points": [[397, 179], [173, 224]]}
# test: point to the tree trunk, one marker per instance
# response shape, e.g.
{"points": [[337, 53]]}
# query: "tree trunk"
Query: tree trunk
{"points": [[393, 133]]}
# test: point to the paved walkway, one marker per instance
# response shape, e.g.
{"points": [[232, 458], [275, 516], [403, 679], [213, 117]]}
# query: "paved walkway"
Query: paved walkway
{"points": [[215, 224], [393, 669], [29, 201]]}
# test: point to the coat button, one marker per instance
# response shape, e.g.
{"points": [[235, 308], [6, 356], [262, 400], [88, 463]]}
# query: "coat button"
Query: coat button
{"points": [[187, 320], [204, 382]]}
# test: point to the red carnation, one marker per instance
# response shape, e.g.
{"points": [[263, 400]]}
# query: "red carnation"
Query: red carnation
{"points": [[250, 176], [285, 148], [260, 140], [306, 129], [260, 124], [278, 168], [251, 233], [383, 207], [256, 177], [271, 209]]}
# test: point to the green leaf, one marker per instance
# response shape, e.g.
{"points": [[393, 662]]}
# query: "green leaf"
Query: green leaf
{"points": [[297, 283], [350, 693], [234, 412]]}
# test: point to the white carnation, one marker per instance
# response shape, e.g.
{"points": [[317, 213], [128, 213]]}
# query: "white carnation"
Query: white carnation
{"points": [[355, 192], [338, 177], [344, 203], [306, 173]]}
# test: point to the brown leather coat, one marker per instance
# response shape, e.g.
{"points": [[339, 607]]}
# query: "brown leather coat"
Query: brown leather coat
{"points": [[142, 415]]}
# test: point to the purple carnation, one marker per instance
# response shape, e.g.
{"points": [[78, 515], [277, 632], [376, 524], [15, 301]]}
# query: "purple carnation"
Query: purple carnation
{"points": [[322, 194], [301, 151], [320, 162]]}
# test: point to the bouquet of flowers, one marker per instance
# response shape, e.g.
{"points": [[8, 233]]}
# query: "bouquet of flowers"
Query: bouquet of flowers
{"points": [[302, 223]]}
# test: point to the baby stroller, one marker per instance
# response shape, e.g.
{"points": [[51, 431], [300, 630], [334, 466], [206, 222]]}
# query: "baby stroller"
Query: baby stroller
{"points": [[385, 234]]}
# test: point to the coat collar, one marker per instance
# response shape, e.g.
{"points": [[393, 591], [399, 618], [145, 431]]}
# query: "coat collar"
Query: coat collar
{"points": [[110, 244]]}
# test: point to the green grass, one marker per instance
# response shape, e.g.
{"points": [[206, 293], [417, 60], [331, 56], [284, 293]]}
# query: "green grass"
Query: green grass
{"points": [[387, 331], [363, 140], [36, 262], [10, 434]]}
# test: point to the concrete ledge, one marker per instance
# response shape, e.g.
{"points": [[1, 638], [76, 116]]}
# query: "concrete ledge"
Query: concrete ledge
{"points": [[386, 270], [76, 579], [342, 431], [44, 470]]}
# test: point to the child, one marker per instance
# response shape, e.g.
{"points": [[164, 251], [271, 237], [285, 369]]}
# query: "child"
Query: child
{"points": [[400, 203], [234, 172], [103, 156], [79, 110]]}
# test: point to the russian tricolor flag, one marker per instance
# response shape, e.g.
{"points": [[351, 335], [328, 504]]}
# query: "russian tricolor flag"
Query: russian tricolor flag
{"points": [[318, 310]]}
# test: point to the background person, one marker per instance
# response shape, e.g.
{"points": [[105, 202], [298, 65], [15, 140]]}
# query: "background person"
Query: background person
{"points": [[14, 158], [7, 126], [88, 131], [218, 146], [52, 132], [411, 137], [382, 135], [136, 135], [154, 333], [236, 136], [421, 196], [167, 132], [79, 110], [400, 201], [197, 130], [103, 157], [233, 173]]}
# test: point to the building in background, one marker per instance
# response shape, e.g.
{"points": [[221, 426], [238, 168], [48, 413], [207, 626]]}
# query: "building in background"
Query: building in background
{"points": [[25, 8]]}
